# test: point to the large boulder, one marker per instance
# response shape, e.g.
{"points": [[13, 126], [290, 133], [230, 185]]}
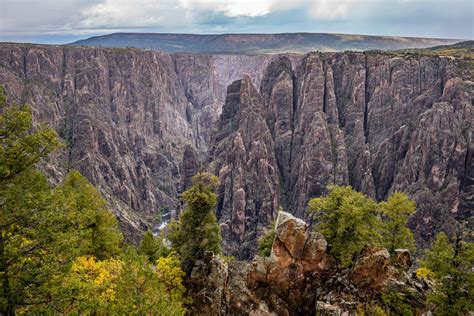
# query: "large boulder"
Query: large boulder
{"points": [[296, 263], [371, 269], [291, 234], [296, 251]]}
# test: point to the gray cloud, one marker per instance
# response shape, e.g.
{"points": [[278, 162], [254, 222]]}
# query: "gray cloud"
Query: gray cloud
{"points": [[63, 20]]}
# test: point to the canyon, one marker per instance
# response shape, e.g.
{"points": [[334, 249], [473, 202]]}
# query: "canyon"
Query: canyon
{"points": [[276, 129]]}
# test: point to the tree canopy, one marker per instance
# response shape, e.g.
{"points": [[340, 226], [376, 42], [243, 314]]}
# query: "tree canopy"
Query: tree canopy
{"points": [[197, 230], [61, 251], [265, 242], [350, 220], [450, 262], [153, 247]]}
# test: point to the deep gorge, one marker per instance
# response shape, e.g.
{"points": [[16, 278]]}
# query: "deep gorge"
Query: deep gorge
{"points": [[276, 129]]}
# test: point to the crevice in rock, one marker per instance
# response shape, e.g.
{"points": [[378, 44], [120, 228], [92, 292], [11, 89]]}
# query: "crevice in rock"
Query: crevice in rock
{"points": [[70, 114], [325, 89], [295, 108], [63, 70], [25, 53], [366, 101]]}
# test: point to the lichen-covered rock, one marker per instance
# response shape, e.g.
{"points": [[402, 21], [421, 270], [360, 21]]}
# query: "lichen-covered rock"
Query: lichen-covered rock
{"points": [[298, 258], [218, 287], [291, 234]]}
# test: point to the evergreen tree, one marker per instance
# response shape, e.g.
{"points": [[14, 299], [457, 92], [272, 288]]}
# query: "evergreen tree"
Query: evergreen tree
{"points": [[265, 242], [451, 263], [24, 196], [144, 290], [349, 220], [21, 145], [60, 248], [197, 230], [26, 259], [52, 227], [96, 228], [152, 247], [396, 211]]}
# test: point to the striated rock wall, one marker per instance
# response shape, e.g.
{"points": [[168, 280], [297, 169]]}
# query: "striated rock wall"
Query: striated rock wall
{"points": [[136, 123], [276, 129], [379, 123]]}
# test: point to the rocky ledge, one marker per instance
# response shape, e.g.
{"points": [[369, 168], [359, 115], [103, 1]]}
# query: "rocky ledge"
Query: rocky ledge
{"points": [[300, 277]]}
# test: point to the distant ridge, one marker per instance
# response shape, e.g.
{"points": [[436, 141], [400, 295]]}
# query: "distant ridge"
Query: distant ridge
{"points": [[260, 43]]}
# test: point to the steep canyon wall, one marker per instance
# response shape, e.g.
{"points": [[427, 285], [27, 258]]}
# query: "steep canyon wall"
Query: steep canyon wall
{"points": [[276, 129]]}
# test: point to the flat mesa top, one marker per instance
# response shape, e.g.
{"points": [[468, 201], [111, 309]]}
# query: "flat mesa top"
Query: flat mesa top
{"points": [[260, 43]]}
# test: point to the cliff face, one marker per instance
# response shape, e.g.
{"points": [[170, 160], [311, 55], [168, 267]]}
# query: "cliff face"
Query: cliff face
{"points": [[379, 123], [276, 129], [135, 123]]}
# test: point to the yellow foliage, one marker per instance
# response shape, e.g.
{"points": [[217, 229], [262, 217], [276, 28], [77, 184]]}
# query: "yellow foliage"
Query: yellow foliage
{"points": [[95, 278], [169, 273], [424, 273]]}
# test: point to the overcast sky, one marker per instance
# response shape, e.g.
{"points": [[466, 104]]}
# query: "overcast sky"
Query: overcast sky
{"points": [[61, 21]]}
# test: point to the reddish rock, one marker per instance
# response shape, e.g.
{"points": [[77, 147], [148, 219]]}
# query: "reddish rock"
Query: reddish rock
{"points": [[299, 278], [297, 259], [371, 269]]}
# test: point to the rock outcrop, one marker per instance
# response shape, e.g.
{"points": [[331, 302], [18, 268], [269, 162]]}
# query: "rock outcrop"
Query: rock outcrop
{"points": [[138, 123], [244, 158], [300, 278]]}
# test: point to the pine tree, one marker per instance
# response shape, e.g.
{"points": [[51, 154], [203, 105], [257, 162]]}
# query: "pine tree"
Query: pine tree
{"points": [[22, 189], [21, 145], [152, 247], [265, 242], [197, 230], [451, 263], [349, 220], [96, 227], [60, 248], [396, 211]]}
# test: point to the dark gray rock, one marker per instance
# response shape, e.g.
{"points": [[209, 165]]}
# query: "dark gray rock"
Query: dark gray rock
{"points": [[139, 123]]}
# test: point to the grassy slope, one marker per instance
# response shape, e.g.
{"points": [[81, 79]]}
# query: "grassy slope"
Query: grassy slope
{"points": [[464, 50]]}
